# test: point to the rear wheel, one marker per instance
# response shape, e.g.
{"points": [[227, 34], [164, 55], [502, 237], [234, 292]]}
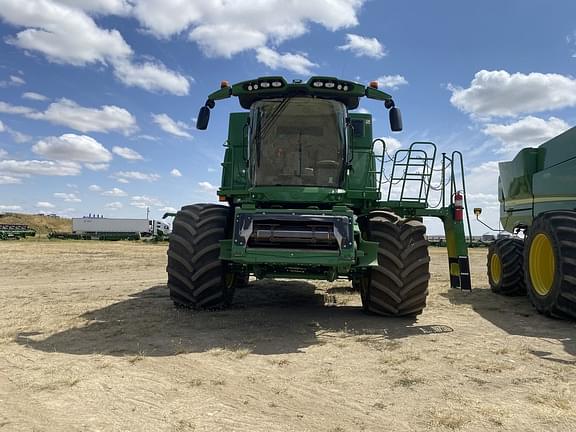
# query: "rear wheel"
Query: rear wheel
{"points": [[505, 267], [550, 261], [197, 278], [398, 286]]}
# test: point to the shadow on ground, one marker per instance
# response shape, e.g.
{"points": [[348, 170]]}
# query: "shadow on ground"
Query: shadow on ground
{"points": [[268, 317], [517, 316]]}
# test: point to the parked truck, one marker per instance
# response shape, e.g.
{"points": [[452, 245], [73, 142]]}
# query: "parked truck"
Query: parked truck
{"points": [[100, 225], [537, 194], [101, 228]]}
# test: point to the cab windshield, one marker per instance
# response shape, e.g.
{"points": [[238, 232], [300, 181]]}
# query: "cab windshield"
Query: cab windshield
{"points": [[297, 141]]}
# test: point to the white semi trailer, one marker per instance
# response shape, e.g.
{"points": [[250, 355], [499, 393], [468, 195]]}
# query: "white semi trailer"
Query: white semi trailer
{"points": [[102, 225]]}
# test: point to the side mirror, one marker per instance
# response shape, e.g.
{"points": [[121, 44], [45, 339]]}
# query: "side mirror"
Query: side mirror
{"points": [[395, 119], [203, 118]]}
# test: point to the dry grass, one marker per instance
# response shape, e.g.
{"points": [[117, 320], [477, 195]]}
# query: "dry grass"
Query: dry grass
{"points": [[41, 224], [447, 419], [88, 328], [551, 400]]}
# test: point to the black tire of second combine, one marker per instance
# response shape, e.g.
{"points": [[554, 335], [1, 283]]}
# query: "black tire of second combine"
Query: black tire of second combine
{"points": [[506, 267], [550, 263], [197, 278], [399, 285]]}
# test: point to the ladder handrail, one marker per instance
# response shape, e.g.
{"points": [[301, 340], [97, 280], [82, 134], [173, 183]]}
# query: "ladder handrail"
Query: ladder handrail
{"points": [[411, 155], [458, 154]]}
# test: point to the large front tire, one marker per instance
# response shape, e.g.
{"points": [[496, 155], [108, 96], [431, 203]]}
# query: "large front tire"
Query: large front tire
{"points": [[550, 263], [506, 268], [197, 278], [398, 286]]}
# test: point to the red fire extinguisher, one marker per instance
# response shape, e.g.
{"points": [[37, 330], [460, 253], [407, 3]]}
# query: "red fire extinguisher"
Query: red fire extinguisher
{"points": [[458, 206]]}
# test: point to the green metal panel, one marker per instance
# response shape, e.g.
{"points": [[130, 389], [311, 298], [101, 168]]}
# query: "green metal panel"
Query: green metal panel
{"points": [[538, 180], [234, 172], [361, 181]]}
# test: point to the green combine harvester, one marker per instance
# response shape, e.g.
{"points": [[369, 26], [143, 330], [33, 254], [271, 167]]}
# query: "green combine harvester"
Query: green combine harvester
{"points": [[537, 193], [303, 182]]}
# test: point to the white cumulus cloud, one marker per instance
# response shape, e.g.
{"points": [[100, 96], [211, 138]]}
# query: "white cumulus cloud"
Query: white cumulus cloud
{"points": [[34, 96], [45, 205], [7, 108], [391, 81], [94, 188], [115, 205], [152, 76], [67, 197], [167, 124], [104, 119], [143, 201], [527, 132], [362, 46], [6, 179], [114, 192], [39, 167], [175, 173], [127, 153], [97, 166], [50, 24], [12, 81], [136, 175], [112, 7], [297, 63], [207, 186], [499, 93], [72, 147], [227, 29], [62, 33]]}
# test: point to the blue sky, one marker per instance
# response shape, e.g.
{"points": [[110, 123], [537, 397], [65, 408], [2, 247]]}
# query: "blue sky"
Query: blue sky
{"points": [[98, 97]]}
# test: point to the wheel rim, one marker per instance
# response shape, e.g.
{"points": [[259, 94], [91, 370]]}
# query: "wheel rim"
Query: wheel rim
{"points": [[542, 264], [496, 268]]}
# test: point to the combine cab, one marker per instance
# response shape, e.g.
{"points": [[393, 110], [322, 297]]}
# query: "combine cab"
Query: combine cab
{"points": [[305, 196], [537, 193]]}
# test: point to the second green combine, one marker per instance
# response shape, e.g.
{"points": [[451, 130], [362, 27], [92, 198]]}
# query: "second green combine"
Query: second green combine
{"points": [[537, 194], [303, 197]]}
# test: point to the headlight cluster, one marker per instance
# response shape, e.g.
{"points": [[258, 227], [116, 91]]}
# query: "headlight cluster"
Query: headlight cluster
{"points": [[331, 85], [264, 85]]}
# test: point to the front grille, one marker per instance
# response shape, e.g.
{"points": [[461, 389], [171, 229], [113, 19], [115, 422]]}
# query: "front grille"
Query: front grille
{"points": [[293, 231], [293, 235]]}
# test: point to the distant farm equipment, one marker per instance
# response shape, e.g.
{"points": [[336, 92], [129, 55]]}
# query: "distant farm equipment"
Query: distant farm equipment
{"points": [[15, 231], [101, 228]]}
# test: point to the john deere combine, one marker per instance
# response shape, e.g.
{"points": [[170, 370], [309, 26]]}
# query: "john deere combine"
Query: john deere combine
{"points": [[537, 193], [302, 184]]}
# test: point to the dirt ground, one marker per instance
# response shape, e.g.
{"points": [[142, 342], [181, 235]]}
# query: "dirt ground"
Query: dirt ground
{"points": [[89, 341]]}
